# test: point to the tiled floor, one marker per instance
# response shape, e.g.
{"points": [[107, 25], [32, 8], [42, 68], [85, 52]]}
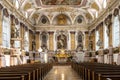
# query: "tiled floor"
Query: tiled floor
{"points": [[62, 73]]}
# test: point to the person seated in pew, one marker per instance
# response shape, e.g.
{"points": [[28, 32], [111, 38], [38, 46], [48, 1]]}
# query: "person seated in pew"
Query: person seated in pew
{"points": [[114, 63], [93, 60]]}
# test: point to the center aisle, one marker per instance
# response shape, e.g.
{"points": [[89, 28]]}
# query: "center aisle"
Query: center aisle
{"points": [[62, 73]]}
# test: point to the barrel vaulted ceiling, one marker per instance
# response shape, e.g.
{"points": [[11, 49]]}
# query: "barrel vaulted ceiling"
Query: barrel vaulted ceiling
{"points": [[77, 11]]}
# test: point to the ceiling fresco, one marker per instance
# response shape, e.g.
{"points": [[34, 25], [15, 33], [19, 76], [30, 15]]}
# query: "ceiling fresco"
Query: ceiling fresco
{"points": [[88, 9], [61, 2]]}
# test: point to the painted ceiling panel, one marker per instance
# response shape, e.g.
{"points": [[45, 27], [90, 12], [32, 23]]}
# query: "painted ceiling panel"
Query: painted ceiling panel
{"points": [[27, 6], [61, 2], [51, 8], [95, 6]]}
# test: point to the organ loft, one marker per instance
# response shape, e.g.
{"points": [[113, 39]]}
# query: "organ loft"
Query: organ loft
{"points": [[59, 40]]}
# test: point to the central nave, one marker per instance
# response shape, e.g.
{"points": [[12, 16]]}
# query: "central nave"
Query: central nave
{"points": [[62, 73]]}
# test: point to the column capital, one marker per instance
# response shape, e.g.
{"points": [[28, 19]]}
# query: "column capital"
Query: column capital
{"points": [[51, 32], [72, 32]]}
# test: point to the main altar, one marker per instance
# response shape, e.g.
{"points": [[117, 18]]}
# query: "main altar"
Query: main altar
{"points": [[62, 56]]}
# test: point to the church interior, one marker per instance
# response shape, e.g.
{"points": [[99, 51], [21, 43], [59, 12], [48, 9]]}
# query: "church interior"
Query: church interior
{"points": [[59, 39]]}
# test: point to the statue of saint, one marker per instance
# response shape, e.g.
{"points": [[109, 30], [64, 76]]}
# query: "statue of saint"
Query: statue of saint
{"points": [[99, 43], [33, 45], [80, 47], [16, 32], [61, 42], [91, 45]]}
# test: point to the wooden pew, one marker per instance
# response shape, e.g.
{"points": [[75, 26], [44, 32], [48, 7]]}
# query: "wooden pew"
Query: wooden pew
{"points": [[34, 71], [12, 78], [92, 71]]}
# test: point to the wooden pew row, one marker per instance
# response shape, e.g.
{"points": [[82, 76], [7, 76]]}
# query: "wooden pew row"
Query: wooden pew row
{"points": [[109, 77], [44, 69], [21, 76], [35, 71], [97, 71], [92, 71], [41, 69], [12, 78]]}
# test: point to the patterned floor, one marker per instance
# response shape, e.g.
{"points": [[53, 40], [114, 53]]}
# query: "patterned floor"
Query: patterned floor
{"points": [[62, 73]]}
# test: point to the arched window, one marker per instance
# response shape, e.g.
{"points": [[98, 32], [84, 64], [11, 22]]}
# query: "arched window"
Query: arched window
{"points": [[17, 4], [26, 41], [97, 38], [116, 30], [105, 37], [6, 29], [104, 4]]}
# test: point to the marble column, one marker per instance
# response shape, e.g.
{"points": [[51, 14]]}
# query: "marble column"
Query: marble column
{"points": [[31, 39], [51, 43], [72, 34], [37, 40], [86, 40], [21, 35], [93, 39], [1, 7], [110, 55], [22, 32]]}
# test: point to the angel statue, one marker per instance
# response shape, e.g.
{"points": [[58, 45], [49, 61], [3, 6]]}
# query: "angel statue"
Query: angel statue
{"points": [[91, 45], [16, 32], [99, 43]]}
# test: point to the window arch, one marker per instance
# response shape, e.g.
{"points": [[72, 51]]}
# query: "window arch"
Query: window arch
{"points": [[17, 4], [106, 38], [26, 40], [97, 38], [116, 29], [104, 3], [6, 29]]}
